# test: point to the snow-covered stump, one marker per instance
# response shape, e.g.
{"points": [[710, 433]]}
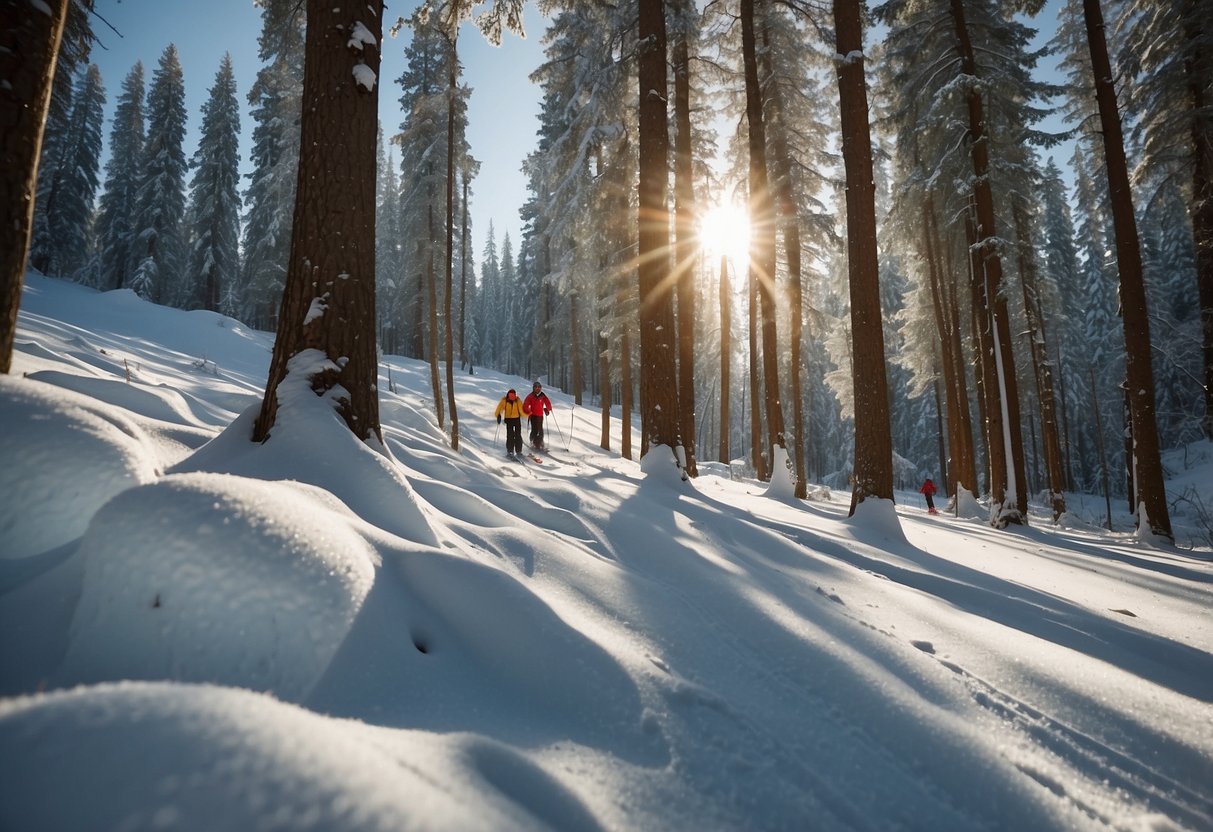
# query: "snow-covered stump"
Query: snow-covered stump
{"points": [[783, 484], [62, 456], [216, 578]]}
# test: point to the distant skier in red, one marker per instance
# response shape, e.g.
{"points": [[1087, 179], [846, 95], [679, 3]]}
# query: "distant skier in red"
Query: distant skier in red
{"points": [[536, 405], [928, 491]]}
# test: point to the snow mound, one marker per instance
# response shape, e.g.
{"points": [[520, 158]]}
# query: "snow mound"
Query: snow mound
{"points": [[215, 578], [783, 484], [169, 756], [62, 456], [660, 465], [311, 443]]}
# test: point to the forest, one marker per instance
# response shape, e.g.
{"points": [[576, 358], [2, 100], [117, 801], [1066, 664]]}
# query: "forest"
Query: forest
{"points": [[836, 236]]}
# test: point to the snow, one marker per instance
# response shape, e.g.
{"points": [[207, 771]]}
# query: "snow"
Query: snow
{"points": [[197, 632]]}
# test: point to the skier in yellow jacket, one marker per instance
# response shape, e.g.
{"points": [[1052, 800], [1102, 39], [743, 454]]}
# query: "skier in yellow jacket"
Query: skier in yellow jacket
{"points": [[510, 406]]}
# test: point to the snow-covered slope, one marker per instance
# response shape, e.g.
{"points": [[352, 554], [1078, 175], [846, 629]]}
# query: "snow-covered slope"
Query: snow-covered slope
{"points": [[201, 633]]}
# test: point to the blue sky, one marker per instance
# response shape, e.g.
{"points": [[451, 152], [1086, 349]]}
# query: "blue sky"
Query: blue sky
{"points": [[502, 110]]}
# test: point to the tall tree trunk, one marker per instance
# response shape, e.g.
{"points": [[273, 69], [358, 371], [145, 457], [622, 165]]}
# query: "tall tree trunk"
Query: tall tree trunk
{"points": [[762, 234], [684, 250], [463, 278], [577, 382], [625, 393], [873, 475], [1050, 434], [448, 324], [1012, 499], [29, 51], [328, 303], [658, 378], [1202, 215], [948, 359], [431, 291], [990, 413], [964, 464], [1151, 490], [789, 226], [726, 348], [604, 358], [758, 456]]}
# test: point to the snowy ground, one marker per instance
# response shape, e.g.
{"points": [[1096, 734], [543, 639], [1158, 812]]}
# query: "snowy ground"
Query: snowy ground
{"points": [[201, 633]]}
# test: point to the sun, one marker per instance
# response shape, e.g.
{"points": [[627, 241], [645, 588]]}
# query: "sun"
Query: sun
{"points": [[724, 230]]}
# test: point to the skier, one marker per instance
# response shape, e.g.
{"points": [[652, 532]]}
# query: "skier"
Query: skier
{"points": [[928, 491], [536, 405], [511, 406]]}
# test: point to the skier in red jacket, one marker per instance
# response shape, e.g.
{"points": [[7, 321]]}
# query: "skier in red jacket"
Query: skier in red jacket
{"points": [[928, 491], [536, 406]]}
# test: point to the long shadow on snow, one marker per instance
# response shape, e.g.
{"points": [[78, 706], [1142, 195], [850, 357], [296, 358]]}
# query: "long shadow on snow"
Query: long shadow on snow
{"points": [[1183, 669]]}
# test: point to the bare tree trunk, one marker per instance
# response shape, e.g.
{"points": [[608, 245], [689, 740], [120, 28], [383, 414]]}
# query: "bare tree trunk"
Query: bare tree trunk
{"points": [[762, 223], [964, 460], [1151, 490], [1003, 384], [873, 475], [575, 347], [726, 348], [625, 393], [448, 324], [431, 290], [685, 212], [1050, 434], [789, 225], [463, 278], [948, 360], [29, 51], [658, 377], [758, 456], [328, 303]]}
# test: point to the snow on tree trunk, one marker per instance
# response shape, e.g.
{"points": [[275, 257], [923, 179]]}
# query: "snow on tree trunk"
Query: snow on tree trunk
{"points": [[1150, 488], [329, 300]]}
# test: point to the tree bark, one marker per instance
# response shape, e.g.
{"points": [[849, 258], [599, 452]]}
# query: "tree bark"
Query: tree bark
{"points": [[1012, 487], [873, 474], [762, 231], [789, 226], [448, 323], [1151, 490], [328, 303], [685, 212], [1050, 434], [658, 376], [29, 51], [431, 292], [726, 348]]}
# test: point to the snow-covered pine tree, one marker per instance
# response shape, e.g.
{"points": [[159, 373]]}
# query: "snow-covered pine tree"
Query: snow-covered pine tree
{"points": [[1167, 50], [70, 214], [116, 215], [422, 140], [54, 164], [157, 252], [215, 199], [275, 99], [489, 313]]}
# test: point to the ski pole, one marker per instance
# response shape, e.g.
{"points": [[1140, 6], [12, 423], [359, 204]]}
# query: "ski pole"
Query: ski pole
{"points": [[558, 430]]}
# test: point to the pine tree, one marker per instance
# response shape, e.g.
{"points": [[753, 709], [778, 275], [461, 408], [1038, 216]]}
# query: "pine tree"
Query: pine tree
{"points": [[215, 199], [70, 215], [1168, 52], [27, 65], [116, 216], [873, 472], [328, 304], [1150, 499], [54, 162], [275, 99], [157, 224]]}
